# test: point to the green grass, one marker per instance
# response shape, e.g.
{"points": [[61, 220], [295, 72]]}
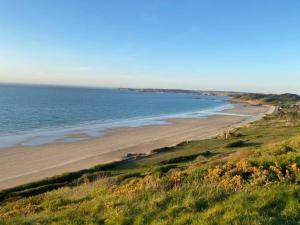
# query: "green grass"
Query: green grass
{"points": [[249, 179], [271, 99]]}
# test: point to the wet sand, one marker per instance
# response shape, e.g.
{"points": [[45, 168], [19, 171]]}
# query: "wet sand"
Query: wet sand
{"points": [[20, 165]]}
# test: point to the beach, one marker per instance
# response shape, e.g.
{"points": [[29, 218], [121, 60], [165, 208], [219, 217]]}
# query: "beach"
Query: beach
{"points": [[22, 164]]}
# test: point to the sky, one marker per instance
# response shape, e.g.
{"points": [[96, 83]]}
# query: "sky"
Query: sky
{"points": [[230, 45]]}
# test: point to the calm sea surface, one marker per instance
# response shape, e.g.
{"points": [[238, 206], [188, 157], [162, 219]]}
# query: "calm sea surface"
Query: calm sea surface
{"points": [[33, 115]]}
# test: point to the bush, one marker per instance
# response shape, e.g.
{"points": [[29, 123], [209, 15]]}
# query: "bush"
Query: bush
{"points": [[165, 149], [86, 178], [285, 149], [180, 159], [164, 169], [123, 177], [235, 144]]}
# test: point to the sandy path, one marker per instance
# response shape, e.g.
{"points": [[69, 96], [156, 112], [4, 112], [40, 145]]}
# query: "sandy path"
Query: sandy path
{"points": [[19, 165]]}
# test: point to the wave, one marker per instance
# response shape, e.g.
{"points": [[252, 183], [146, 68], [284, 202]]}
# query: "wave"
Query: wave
{"points": [[97, 128]]}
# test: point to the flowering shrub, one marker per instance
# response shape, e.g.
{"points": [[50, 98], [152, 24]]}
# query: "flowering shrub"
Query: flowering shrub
{"points": [[153, 182], [234, 176], [136, 184], [177, 177]]}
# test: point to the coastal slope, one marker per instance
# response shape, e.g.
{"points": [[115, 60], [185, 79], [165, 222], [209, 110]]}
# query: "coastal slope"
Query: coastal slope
{"points": [[246, 175]]}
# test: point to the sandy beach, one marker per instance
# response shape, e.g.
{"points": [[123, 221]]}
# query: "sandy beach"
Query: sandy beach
{"points": [[20, 165]]}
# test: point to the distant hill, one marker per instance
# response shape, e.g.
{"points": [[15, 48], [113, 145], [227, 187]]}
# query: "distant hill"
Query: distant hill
{"points": [[183, 91], [271, 99], [252, 98]]}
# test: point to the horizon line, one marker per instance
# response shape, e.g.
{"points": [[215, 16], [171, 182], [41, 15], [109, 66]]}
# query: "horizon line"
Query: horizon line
{"points": [[109, 87]]}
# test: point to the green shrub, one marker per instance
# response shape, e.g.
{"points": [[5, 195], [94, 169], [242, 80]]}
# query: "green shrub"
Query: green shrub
{"points": [[165, 149], [164, 169], [180, 159], [235, 144], [123, 177]]}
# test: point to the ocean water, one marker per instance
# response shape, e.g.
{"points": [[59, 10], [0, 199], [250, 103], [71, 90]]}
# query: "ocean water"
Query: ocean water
{"points": [[35, 115]]}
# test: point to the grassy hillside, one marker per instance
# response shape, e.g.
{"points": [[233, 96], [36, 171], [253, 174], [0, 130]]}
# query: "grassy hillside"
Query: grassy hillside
{"points": [[248, 175], [270, 99]]}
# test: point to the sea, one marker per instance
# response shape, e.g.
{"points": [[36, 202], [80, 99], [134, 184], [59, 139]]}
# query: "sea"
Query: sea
{"points": [[33, 115]]}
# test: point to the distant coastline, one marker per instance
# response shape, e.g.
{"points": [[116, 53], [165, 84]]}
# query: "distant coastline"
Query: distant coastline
{"points": [[183, 91]]}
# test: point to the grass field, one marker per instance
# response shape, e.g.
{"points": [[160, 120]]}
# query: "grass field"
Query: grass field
{"points": [[248, 175]]}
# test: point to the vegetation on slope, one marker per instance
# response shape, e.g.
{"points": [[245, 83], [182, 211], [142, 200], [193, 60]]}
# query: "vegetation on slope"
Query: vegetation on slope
{"points": [[251, 176], [268, 99]]}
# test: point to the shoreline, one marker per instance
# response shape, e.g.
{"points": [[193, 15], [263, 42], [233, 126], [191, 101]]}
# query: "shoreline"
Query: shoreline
{"points": [[96, 129], [20, 165]]}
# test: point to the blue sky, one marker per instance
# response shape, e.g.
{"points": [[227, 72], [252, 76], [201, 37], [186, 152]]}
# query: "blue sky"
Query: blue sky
{"points": [[211, 45]]}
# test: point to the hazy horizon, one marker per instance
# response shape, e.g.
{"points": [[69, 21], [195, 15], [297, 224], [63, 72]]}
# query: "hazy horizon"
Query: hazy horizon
{"points": [[130, 87], [196, 45]]}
